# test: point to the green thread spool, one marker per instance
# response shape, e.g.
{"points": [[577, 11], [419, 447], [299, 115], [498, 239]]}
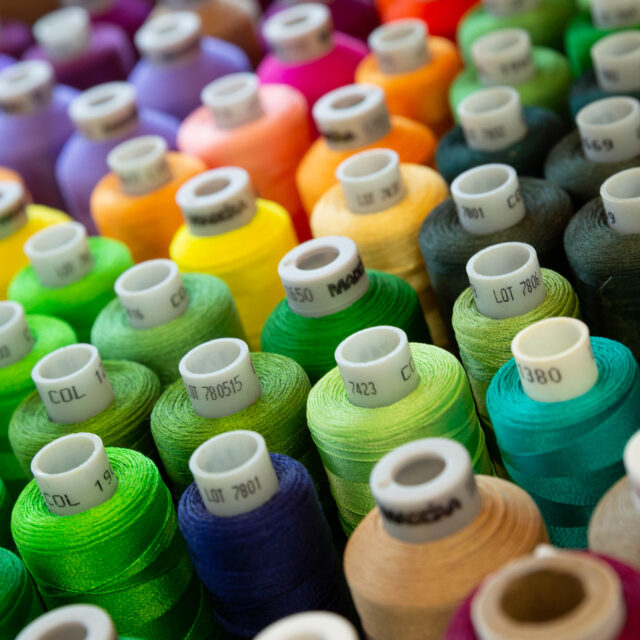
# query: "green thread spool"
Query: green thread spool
{"points": [[5, 517], [352, 438], [159, 316], [81, 273]]}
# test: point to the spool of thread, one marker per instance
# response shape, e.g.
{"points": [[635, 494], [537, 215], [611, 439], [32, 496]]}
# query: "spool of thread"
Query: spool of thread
{"points": [[104, 117], [562, 595], [354, 119], [605, 143], [562, 412], [325, 625], [263, 129], [159, 315], [495, 128], [81, 54], [126, 552], [177, 63], [69, 276], [432, 512], [136, 202], [330, 296], [231, 235], [491, 205], [415, 72], [383, 409], [242, 499], [16, 38], [506, 57], [5, 517], [34, 126]]}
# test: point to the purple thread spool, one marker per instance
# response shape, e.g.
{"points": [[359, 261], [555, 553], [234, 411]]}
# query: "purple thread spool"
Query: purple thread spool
{"points": [[6, 61], [82, 55], [104, 117], [15, 38], [34, 126], [178, 63]]}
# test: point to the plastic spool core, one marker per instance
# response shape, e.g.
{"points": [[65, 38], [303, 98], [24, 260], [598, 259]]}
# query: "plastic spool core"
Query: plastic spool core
{"points": [[609, 129], [323, 276], [565, 596], [509, 7], [371, 180], [614, 14], [616, 59], [73, 622], [419, 482], [621, 200], [492, 119], [632, 465], [506, 280], [311, 625], [400, 46], [169, 37], [65, 33], [300, 33], [488, 199], [233, 472], [377, 367], [217, 201], [233, 100], [13, 212], [16, 340], [26, 86], [152, 293], [72, 383], [352, 117], [59, 254], [504, 57], [220, 377]]}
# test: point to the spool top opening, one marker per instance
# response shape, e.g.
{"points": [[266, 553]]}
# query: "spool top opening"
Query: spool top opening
{"points": [[64, 33], [228, 452], [368, 165], [133, 153], [72, 622], [483, 180], [603, 113], [55, 240], [169, 33], [618, 46], [310, 625], [65, 362], [500, 260], [214, 357], [147, 276], [9, 312], [106, 101], [23, 78], [11, 195], [67, 454], [228, 90], [555, 337], [317, 259], [65, 631], [370, 346], [623, 186], [489, 102], [420, 471], [501, 42]]}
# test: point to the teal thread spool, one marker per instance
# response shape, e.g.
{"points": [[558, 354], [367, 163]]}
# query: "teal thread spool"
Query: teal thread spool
{"points": [[69, 277], [330, 295], [159, 315]]}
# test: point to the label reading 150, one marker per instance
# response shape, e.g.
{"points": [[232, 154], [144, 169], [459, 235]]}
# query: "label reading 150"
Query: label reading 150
{"points": [[540, 376]]}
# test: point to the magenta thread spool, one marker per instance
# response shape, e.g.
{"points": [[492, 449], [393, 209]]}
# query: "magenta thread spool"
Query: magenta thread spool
{"points": [[82, 55], [178, 63], [34, 126], [15, 38], [104, 117]]}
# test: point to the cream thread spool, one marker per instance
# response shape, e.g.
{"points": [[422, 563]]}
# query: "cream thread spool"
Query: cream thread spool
{"points": [[504, 57], [16, 340], [506, 280], [621, 199], [615, 14], [323, 276], [352, 117], [233, 100], [26, 86], [74, 621], [74, 474], [400, 46], [152, 293], [610, 129], [488, 199], [509, 7], [65, 33], [564, 596], [170, 37], [555, 360], [616, 59], [59, 254], [231, 460], [377, 367], [313, 625], [492, 119], [220, 377], [72, 383], [13, 212]]}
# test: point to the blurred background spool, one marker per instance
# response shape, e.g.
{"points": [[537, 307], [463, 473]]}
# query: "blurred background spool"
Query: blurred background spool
{"points": [[5, 517], [16, 37]]}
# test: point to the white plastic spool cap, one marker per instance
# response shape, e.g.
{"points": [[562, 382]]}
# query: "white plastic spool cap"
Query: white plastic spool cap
{"points": [[615, 14], [621, 200], [169, 37], [352, 117], [310, 625], [26, 86], [377, 366], [564, 596], [152, 293], [632, 465], [141, 164], [616, 59], [509, 7], [504, 57], [425, 490], [488, 199], [609, 129], [323, 276], [65, 33], [16, 340], [220, 377], [300, 33], [234, 473], [73, 622], [492, 119], [217, 201], [400, 46], [233, 100], [555, 360], [106, 111], [506, 280], [72, 383], [13, 211]]}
